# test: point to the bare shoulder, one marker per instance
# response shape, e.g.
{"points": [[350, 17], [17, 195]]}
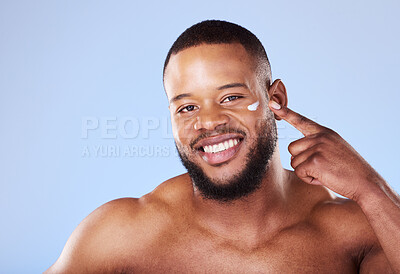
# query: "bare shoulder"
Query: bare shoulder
{"points": [[343, 216], [120, 232], [343, 222]]}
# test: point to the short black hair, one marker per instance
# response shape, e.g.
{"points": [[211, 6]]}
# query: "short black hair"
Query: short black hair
{"points": [[223, 32]]}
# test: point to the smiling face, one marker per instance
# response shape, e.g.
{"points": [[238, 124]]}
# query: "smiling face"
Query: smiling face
{"points": [[210, 88]]}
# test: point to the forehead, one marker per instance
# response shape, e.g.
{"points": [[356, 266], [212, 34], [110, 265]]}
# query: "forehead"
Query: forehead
{"points": [[208, 66]]}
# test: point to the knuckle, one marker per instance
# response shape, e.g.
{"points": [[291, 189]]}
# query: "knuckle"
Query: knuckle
{"points": [[295, 146], [316, 158], [291, 147]]}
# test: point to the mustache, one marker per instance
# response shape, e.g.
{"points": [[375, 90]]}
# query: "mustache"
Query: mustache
{"points": [[207, 134]]}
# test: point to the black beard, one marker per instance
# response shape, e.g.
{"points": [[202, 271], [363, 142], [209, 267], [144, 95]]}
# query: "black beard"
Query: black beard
{"points": [[247, 181]]}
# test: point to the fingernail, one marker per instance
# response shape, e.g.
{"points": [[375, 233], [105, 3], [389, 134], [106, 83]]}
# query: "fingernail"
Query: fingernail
{"points": [[275, 105]]}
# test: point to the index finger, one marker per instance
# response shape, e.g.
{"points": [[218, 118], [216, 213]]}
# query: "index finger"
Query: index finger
{"points": [[300, 122]]}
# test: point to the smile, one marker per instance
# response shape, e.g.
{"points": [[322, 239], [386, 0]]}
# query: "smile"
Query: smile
{"points": [[219, 149], [221, 146]]}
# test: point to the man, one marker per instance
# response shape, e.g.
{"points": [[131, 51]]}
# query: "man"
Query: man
{"points": [[237, 210]]}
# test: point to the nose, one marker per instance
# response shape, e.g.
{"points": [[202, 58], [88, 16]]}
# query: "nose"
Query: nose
{"points": [[210, 119]]}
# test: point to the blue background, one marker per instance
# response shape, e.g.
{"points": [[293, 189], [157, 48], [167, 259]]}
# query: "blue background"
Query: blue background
{"points": [[64, 61]]}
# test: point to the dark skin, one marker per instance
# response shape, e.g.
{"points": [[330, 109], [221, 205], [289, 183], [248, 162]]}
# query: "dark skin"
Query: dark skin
{"points": [[291, 224]]}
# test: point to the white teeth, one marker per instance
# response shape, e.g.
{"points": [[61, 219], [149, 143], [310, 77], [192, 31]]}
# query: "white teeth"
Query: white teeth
{"points": [[214, 148], [226, 145], [221, 146]]}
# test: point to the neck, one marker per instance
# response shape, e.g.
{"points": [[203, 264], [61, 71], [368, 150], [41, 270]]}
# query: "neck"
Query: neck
{"points": [[262, 212]]}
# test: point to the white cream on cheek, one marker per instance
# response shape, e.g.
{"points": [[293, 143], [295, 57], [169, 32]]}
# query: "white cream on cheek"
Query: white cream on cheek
{"points": [[254, 106]]}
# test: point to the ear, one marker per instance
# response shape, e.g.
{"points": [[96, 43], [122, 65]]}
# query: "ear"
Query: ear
{"points": [[277, 92]]}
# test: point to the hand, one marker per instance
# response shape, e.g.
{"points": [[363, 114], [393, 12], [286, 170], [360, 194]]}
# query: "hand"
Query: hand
{"points": [[322, 157]]}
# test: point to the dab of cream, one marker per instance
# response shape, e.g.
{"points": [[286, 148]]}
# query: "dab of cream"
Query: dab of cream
{"points": [[254, 106]]}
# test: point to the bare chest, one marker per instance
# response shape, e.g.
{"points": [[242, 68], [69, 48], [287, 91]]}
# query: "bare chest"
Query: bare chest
{"points": [[295, 252]]}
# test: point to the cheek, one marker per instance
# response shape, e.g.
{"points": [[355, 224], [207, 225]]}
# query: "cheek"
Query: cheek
{"points": [[175, 129], [251, 106], [182, 130], [248, 118]]}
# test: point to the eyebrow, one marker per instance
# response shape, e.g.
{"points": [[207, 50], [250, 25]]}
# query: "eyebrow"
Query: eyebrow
{"points": [[232, 85], [184, 95], [180, 96]]}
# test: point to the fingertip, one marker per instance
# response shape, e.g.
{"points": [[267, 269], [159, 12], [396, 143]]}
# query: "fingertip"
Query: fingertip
{"points": [[274, 105]]}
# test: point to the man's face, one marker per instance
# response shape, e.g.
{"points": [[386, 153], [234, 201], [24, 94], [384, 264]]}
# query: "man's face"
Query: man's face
{"points": [[210, 88]]}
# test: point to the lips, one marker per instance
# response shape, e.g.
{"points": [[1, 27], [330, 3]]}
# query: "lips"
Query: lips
{"points": [[219, 149]]}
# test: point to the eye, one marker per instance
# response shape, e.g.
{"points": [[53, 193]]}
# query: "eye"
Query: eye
{"points": [[187, 109], [231, 98]]}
